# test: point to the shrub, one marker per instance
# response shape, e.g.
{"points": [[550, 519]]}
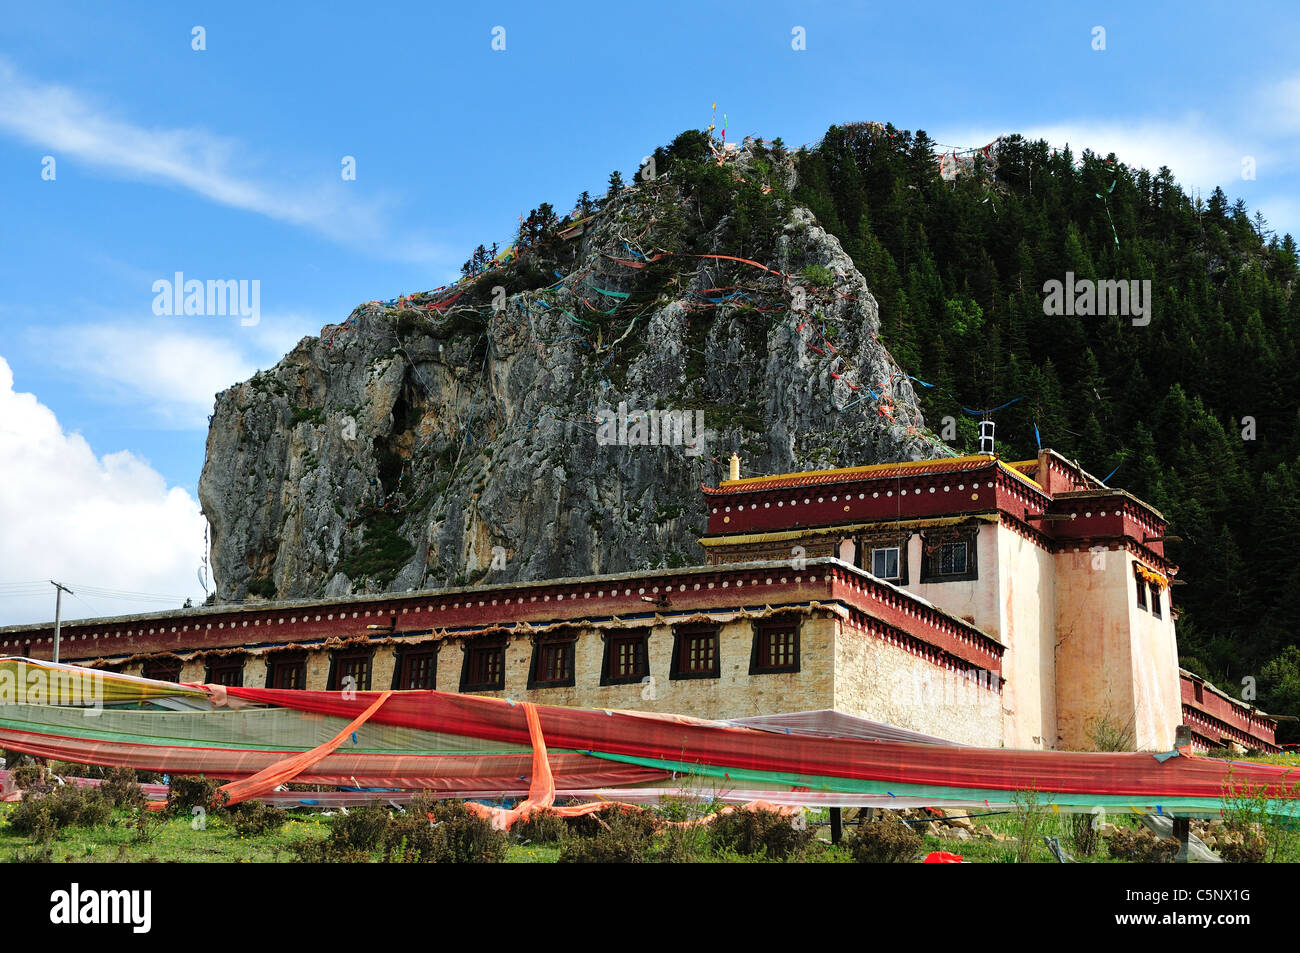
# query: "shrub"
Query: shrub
{"points": [[28, 775], [609, 818], [187, 793], [255, 818], [1083, 834], [462, 837], [121, 789], [886, 841], [429, 832], [362, 828], [1262, 821], [541, 827], [1140, 846], [43, 813], [758, 832], [818, 275], [1029, 823], [625, 844]]}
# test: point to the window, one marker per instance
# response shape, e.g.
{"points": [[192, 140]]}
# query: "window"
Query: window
{"points": [[1198, 691], [225, 670], [1142, 591], [626, 658], [350, 670], [416, 668], [286, 670], [952, 559], [885, 563], [776, 647], [696, 653], [552, 664], [1155, 600], [164, 669], [949, 557], [484, 669]]}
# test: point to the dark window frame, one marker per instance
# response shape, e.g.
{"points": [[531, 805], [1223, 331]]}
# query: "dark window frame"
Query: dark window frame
{"points": [[477, 649], [365, 655], [930, 563], [760, 662], [405, 656], [284, 662], [1141, 592], [901, 560], [162, 669], [682, 638], [223, 665], [639, 639], [1157, 610], [543, 646]]}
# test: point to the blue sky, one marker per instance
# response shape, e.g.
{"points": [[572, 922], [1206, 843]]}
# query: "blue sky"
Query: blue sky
{"points": [[224, 163]]}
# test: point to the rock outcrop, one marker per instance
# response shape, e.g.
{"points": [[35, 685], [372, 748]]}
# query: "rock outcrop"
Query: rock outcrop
{"points": [[471, 440]]}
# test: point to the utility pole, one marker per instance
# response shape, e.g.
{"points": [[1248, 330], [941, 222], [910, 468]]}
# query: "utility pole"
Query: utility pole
{"points": [[59, 590]]}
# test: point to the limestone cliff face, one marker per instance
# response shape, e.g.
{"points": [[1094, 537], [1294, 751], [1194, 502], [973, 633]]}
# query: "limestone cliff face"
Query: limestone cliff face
{"points": [[406, 448]]}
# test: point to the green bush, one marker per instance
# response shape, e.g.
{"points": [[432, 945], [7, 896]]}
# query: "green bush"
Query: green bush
{"points": [[624, 844], [256, 818], [187, 793], [818, 275], [1084, 836], [362, 828], [612, 817], [44, 813], [428, 832], [460, 836], [614, 835], [886, 841], [758, 832], [541, 827], [121, 789]]}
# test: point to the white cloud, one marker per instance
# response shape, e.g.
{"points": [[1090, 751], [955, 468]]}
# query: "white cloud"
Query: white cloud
{"points": [[1282, 103], [61, 120], [1200, 154], [174, 374], [110, 522], [171, 369]]}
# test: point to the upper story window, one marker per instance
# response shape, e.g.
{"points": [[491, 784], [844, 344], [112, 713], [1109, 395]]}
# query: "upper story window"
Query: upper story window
{"points": [[949, 557], [351, 669], [696, 653], [225, 670], [552, 665], [165, 670], [1155, 600], [776, 647], [1141, 591], [484, 669], [626, 657], [886, 564], [416, 668], [286, 670]]}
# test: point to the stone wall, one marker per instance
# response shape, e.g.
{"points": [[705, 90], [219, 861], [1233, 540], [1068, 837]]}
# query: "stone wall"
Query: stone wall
{"points": [[883, 682]]}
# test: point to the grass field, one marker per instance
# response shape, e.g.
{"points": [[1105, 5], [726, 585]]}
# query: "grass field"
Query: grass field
{"points": [[176, 840]]}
